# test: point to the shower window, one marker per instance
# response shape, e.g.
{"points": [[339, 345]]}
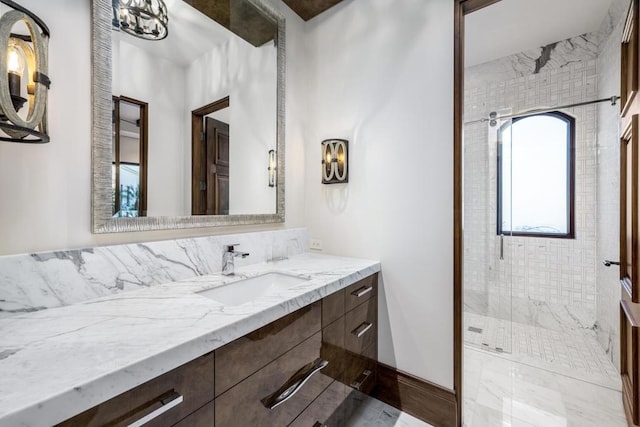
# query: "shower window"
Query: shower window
{"points": [[536, 158]]}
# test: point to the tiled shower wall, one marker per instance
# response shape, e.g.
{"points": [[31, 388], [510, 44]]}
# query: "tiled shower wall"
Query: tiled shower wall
{"points": [[542, 281]]}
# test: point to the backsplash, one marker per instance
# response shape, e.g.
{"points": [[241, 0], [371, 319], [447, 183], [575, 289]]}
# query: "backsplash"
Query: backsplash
{"points": [[31, 282]]}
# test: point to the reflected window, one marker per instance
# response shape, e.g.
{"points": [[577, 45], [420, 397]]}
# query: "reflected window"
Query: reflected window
{"points": [[536, 176]]}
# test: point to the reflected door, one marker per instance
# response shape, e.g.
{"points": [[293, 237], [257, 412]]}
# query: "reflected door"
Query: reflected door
{"points": [[217, 137], [210, 159], [129, 158]]}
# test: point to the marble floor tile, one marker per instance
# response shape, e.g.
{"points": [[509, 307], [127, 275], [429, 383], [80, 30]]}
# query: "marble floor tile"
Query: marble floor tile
{"points": [[510, 393], [573, 352]]}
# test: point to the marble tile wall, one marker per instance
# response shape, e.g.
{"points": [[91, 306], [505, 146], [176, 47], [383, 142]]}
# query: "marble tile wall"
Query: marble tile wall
{"points": [[31, 282], [537, 273], [608, 290]]}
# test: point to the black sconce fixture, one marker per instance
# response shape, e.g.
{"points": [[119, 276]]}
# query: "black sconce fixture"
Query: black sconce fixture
{"points": [[335, 161], [20, 55], [272, 168], [146, 19]]}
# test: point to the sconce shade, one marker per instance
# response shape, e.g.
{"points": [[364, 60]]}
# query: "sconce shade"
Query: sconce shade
{"points": [[146, 19], [335, 161], [23, 55], [272, 168]]}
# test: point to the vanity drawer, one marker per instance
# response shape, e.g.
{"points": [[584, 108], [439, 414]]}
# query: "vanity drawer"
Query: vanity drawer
{"points": [[361, 370], [332, 408], [361, 291], [244, 356], [243, 405], [361, 327], [193, 382]]}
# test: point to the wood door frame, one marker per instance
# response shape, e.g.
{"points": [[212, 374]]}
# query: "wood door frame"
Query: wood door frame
{"points": [[197, 129], [461, 8], [629, 307]]}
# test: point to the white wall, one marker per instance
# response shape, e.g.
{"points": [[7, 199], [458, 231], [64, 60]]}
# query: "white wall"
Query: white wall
{"points": [[46, 189], [381, 75]]}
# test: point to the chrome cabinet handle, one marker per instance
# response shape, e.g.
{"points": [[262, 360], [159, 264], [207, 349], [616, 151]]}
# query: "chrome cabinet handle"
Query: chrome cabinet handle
{"points": [[362, 291], [167, 403], [502, 247], [294, 384], [358, 384], [362, 329], [608, 263]]}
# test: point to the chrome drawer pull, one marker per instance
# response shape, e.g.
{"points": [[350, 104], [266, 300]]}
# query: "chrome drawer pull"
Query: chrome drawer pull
{"points": [[358, 384], [362, 291], [294, 384], [362, 329], [170, 402]]}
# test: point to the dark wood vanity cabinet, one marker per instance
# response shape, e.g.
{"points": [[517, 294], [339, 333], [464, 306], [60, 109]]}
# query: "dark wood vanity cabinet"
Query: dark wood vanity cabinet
{"points": [[349, 343], [173, 396], [313, 365], [341, 329]]}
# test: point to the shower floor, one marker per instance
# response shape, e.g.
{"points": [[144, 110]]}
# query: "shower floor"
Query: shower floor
{"points": [[575, 353]]}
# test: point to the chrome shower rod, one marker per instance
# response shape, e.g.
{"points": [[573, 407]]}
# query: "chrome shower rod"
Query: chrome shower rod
{"points": [[493, 116]]}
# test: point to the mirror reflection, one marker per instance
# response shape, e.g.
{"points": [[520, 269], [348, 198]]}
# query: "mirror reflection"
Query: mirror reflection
{"points": [[129, 151], [194, 110]]}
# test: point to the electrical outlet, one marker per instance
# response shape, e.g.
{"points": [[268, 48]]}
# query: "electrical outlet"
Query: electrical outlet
{"points": [[315, 244]]}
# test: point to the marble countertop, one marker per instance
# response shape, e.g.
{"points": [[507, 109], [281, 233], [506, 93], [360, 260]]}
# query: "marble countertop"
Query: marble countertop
{"points": [[59, 362]]}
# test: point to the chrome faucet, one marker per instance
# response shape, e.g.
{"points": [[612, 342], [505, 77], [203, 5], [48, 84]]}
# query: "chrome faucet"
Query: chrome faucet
{"points": [[227, 259]]}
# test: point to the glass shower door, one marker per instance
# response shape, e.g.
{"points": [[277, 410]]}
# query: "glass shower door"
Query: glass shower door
{"points": [[487, 251]]}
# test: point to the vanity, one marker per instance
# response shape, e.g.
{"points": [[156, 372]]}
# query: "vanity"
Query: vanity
{"points": [[299, 354]]}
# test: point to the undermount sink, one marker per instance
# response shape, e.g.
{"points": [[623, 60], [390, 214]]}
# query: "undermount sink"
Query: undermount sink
{"points": [[247, 290]]}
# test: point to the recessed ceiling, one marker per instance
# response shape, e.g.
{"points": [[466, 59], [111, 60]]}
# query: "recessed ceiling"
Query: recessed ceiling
{"points": [[512, 26]]}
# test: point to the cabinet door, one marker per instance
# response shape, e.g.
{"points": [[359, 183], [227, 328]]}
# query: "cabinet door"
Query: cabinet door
{"points": [[242, 405], [172, 396]]}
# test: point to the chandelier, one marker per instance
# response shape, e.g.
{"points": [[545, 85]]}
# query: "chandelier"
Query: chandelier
{"points": [[146, 19]]}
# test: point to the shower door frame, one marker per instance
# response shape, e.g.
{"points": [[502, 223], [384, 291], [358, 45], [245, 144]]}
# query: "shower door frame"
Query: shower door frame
{"points": [[461, 9]]}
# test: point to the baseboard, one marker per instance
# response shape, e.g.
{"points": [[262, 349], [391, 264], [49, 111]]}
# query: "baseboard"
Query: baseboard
{"points": [[429, 402]]}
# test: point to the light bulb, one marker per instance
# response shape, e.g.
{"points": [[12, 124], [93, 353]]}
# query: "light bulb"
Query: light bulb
{"points": [[15, 61]]}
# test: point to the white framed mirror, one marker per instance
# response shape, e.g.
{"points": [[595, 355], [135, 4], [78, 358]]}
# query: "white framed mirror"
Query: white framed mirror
{"points": [[185, 126]]}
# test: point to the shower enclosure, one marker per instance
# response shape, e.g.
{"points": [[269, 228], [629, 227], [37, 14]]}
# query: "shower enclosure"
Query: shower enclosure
{"points": [[530, 217]]}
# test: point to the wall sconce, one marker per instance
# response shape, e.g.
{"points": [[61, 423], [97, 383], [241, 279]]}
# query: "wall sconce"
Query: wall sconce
{"points": [[20, 53], [146, 19], [334, 161], [272, 168]]}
